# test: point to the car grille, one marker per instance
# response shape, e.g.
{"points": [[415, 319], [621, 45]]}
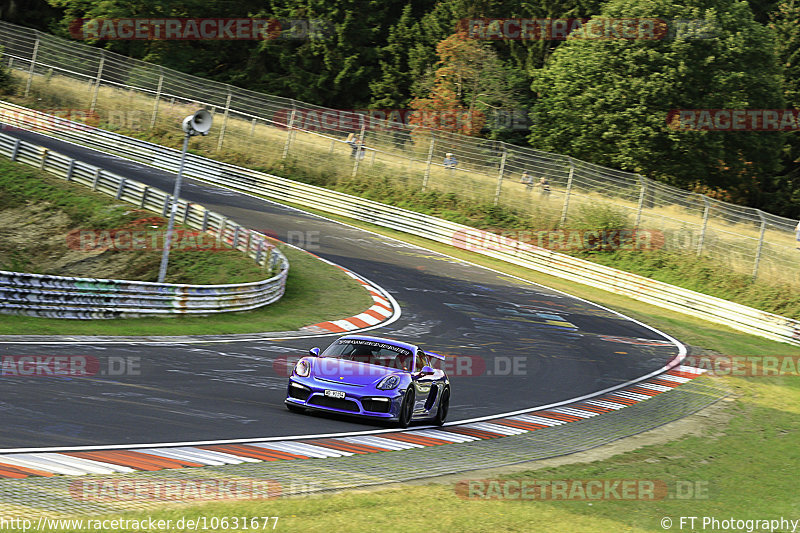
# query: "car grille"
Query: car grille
{"points": [[299, 393], [342, 404], [376, 406]]}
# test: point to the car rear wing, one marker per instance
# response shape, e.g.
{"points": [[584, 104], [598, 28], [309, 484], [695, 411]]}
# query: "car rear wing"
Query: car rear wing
{"points": [[436, 355]]}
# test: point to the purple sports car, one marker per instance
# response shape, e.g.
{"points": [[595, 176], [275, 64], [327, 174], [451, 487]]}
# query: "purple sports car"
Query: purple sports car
{"points": [[373, 377]]}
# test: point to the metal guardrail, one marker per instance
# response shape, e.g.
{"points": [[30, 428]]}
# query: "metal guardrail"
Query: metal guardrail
{"points": [[692, 303], [89, 298]]}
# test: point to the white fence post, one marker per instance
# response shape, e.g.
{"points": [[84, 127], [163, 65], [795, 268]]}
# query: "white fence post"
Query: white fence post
{"points": [[760, 243], [97, 81], [500, 177], [360, 151], [706, 209], [641, 202], [428, 164], [224, 120], [33, 65], [158, 97], [288, 135], [567, 193]]}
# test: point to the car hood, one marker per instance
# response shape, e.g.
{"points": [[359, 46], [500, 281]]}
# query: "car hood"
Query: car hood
{"points": [[350, 372]]}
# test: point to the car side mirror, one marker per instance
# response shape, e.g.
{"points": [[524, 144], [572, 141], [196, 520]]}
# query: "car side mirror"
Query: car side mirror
{"points": [[427, 371], [314, 352]]}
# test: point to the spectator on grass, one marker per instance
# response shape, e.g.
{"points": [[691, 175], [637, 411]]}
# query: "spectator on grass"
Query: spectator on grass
{"points": [[450, 161], [527, 179], [544, 185]]}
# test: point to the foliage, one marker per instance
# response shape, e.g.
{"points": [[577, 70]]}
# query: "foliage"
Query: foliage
{"points": [[606, 101]]}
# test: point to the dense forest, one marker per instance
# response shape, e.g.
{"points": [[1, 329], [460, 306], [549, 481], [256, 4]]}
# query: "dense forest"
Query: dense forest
{"points": [[604, 100]]}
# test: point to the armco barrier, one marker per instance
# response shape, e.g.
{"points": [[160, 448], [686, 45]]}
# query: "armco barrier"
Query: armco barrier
{"points": [[692, 303], [86, 298]]}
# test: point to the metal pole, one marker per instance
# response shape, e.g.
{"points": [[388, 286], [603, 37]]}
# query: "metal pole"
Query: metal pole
{"points": [[641, 202], [360, 150], [500, 177], [97, 81], [760, 243], [224, 120], [566, 194], [162, 271], [705, 224], [158, 98], [428, 165], [288, 135], [33, 65]]}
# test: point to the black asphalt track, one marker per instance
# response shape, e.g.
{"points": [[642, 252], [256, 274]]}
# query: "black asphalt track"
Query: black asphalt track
{"points": [[528, 345]]}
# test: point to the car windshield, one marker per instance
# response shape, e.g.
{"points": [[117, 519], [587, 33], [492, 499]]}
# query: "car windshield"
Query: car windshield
{"points": [[372, 352]]}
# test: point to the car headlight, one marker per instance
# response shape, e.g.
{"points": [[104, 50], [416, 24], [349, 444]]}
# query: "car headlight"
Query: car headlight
{"points": [[389, 383], [302, 368]]}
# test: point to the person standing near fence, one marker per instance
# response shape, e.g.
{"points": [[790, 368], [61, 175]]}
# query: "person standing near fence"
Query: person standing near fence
{"points": [[351, 140], [544, 185], [527, 179], [450, 161]]}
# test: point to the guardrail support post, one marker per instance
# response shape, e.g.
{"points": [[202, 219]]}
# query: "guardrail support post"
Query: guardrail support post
{"points": [[221, 233], [120, 187], [166, 205], [760, 243], [236, 236], [97, 81], [33, 65], [428, 164], [186, 212], [567, 193], [70, 170], [252, 127], [641, 202], [15, 150], [706, 210], [144, 196], [288, 134], [45, 152], [96, 178], [204, 225], [500, 177], [224, 120], [158, 97], [258, 251]]}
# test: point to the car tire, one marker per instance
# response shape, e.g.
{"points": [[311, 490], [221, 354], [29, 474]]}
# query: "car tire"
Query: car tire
{"points": [[295, 408], [444, 408], [406, 408]]}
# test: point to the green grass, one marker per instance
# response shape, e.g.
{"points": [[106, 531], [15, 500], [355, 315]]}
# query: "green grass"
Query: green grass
{"points": [[315, 291]]}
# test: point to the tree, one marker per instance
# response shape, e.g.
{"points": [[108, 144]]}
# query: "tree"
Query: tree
{"points": [[606, 100], [468, 81]]}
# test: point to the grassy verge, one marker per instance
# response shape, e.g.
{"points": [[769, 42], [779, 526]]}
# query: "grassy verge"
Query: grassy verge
{"points": [[315, 291]]}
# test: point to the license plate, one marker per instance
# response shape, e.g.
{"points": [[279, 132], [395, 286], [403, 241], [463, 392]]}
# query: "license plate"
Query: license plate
{"points": [[334, 394]]}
